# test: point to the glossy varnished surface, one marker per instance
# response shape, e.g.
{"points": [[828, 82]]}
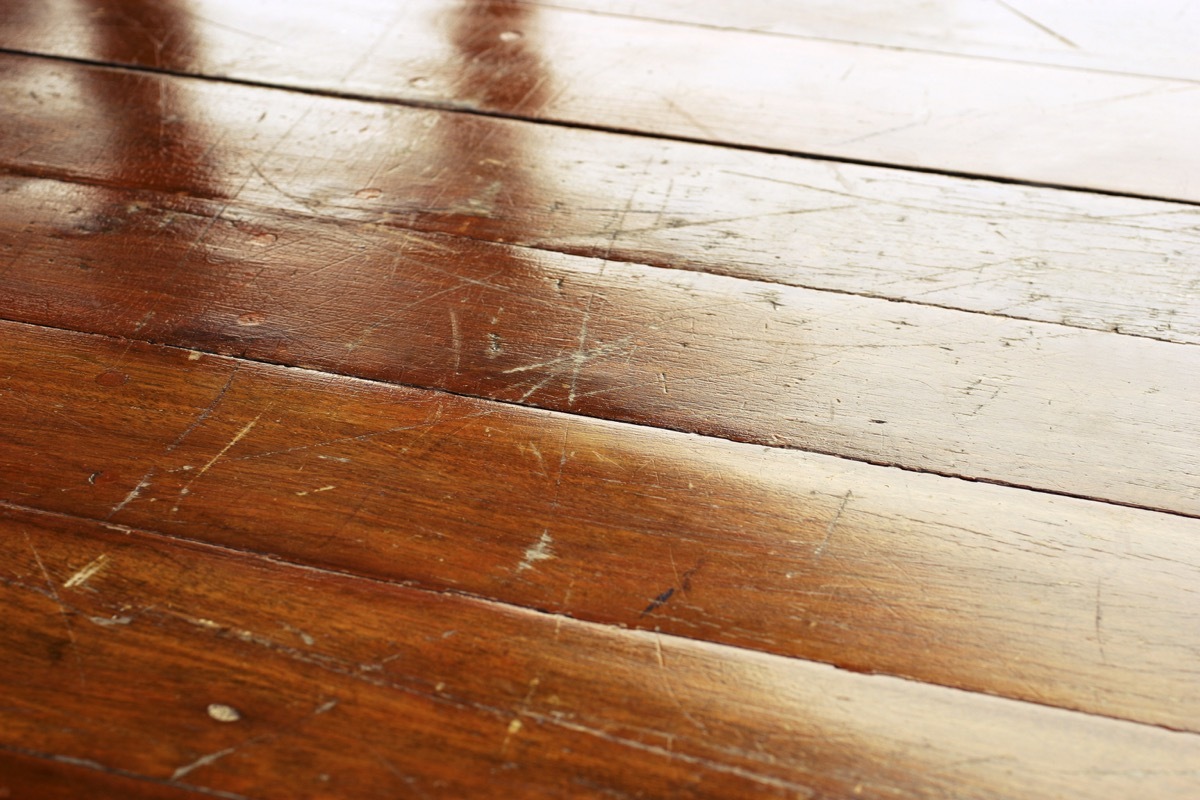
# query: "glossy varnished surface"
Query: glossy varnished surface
{"points": [[390, 678], [380, 423], [1078, 412], [1155, 38], [1098, 262], [1037, 123], [1089, 607]]}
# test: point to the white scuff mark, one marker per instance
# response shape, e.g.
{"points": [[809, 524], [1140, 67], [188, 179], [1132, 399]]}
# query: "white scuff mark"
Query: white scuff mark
{"points": [[512, 730], [538, 551], [457, 340], [133, 493], [109, 622], [304, 637], [202, 761], [223, 713], [237, 438], [314, 491], [187, 488], [81, 577]]}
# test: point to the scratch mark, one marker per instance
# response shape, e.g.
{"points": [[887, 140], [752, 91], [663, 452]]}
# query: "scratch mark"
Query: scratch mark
{"points": [[662, 376], [830, 527], [202, 761], [314, 491], [707, 131], [304, 637], [326, 706], [580, 356], [62, 608], [207, 411], [538, 551], [537, 454], [670, 226], [894, 129], [237, 438], [1099, 621], [187, 487], [513, 729], [294, 198], [674, 569], [81, 577], [666, 682], [360, 438], [687, 576], [456, 339], [573, 357], [133, 493], [1039, 25]]}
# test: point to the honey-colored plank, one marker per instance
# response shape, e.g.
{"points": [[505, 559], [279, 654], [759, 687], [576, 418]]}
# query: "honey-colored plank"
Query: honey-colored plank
{"points": [[247, 676], [1028, 122], [1154, 38], [1058, 601], [1066, 410]]}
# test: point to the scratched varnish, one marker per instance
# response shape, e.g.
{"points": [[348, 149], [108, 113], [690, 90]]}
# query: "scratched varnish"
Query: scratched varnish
{"points": [[599, 399]]}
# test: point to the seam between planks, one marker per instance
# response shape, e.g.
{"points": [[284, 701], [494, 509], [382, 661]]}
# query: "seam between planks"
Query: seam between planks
{"points": [[543, 409], [171, 539], [95, 766], [65, 177], [464, 108]]}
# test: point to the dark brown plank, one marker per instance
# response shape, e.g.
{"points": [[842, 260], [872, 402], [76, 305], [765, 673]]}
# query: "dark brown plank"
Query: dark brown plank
{"points": [[979, 116], [1078, 412], [28, 776], [1154, 39], [1097, 262], [1058, 601], [121, 644]]}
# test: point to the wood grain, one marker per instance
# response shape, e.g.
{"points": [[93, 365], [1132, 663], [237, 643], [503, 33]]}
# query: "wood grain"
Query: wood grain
{"points": [[1057, 601], [1027, 122], [339, 686], [1061, 409], [378, 420], [33, 776], [1097, 262]]}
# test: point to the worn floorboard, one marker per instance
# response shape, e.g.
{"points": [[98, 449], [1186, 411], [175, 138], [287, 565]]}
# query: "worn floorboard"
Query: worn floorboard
{"points": [[253, 655], [1042, 124], [1105, 263], [464, 399], [930, 389], [1155, 39], [781, 551]]}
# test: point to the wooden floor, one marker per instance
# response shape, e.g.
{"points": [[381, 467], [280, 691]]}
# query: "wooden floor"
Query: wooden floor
{"points": [[594, 398]]}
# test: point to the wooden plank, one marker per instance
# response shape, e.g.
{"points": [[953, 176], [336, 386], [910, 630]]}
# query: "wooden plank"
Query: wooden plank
{"points": [[1061, 409], [25, 775], [1153, 38], [128, 648], [1057, 601], [1104, 263], [1026, 122]]}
